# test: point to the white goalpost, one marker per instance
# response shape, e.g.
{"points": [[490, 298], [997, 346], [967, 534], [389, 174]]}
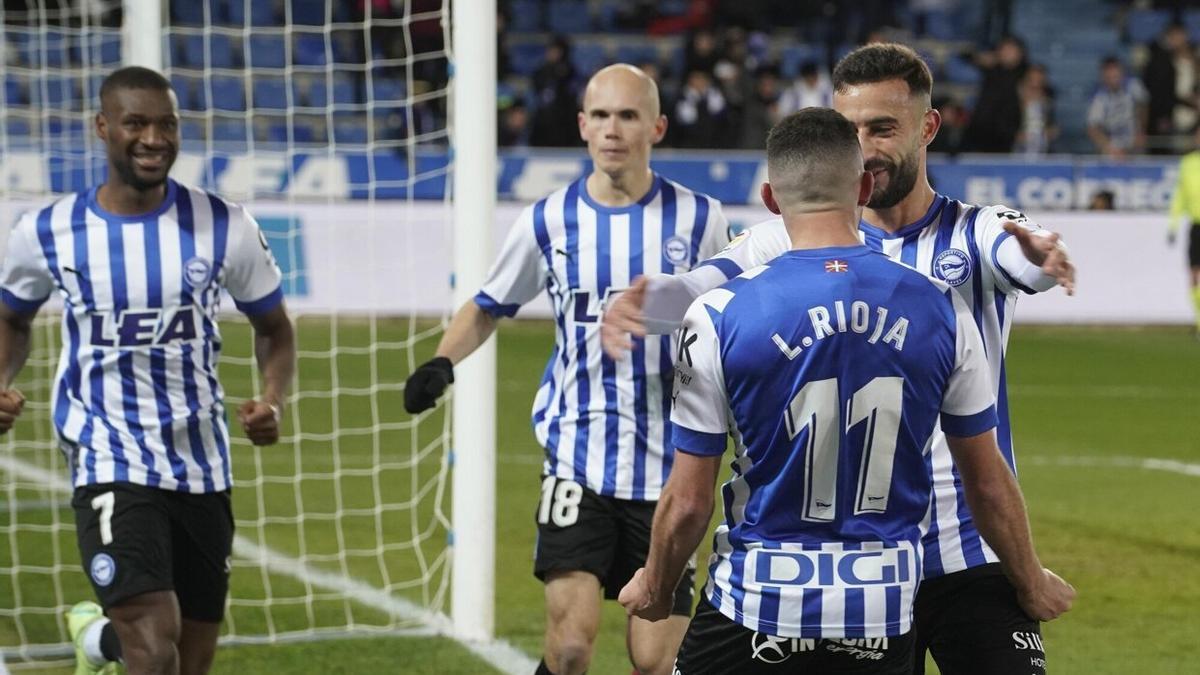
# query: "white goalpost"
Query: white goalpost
{"points": [[365, 146]]}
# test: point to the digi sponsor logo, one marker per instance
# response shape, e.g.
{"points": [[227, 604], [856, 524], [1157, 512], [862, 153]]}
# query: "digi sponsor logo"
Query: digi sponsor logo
{"points": [[825, 568]]}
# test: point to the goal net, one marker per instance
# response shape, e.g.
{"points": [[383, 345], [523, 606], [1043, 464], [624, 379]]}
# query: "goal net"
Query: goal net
{"points": [[330, 124]]}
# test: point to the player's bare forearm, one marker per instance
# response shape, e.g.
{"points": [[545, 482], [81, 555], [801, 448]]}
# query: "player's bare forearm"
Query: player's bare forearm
{"points": [[997, 506], [275, 350], [14, 343], [469, 328], [680, 520]]}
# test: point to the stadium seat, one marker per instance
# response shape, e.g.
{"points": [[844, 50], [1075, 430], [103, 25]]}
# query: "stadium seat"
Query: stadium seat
{"points": [[794, 56], [18, 127], [961, 71], [588, 58], [267, 51], [387, 89], [54, 48], [526, 57], [309, 50], [229, 134], [524, 16], [187, 50], [569, 16], [14, 91], [183, 91], [636, 53], [104, 48], [191, 51], [270, 93], [308, 12], [1144, 25], [349, 130], [261, 12], [60, 92], [187, 13], [191, 130], [20, 45], [344, 90], [228, 93]]}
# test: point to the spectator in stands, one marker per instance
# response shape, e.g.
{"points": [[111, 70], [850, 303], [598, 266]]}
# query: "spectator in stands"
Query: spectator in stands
{"points": [[1116, 117], [762, 108], [997, 115], [702, 52], [1038, 126], [554, 84], [1171, 85], [700, 113], [735, 82], [513, 130], [811, 88], [1102, 200], [949, 137]]}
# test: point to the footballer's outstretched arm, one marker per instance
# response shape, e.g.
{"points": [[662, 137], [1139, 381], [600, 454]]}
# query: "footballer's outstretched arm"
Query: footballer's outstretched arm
{"points": [[998, 510], [14, 350], [470, 327]]}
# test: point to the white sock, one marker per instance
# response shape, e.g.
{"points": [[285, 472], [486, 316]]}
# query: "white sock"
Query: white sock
{"points": [[91, 642]]}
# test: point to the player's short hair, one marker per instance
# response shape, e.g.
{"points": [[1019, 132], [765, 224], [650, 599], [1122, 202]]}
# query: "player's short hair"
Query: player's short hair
{"points": [[880, 62], [133, 77], [813, 159]]}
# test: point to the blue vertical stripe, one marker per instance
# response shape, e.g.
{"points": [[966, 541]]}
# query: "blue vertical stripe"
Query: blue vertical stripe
{"points": [[608, 367], [70, 379], [129, 393], [945, 232], [158, 358], [641, 401], [968, 537], [187, 250], [1003, 428], [668, 223], [542, 234], [892, 613], [220, 222], [582, 380], [699, 225], [810, 613], [856, 614], [666, 370], [908, 250]]}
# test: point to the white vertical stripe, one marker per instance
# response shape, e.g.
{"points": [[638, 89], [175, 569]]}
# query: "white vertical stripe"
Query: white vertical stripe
{"points": [[626, 393], [685, 218]]}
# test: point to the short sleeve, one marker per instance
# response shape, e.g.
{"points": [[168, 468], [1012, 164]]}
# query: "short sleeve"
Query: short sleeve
{"points": [[1095, 111], [518, 274], [700, 410], [25, 281], [716, 231], [754, 246], [968, 404], [252, 277]]}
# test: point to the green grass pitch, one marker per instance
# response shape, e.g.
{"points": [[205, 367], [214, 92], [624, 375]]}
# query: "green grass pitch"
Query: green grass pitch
{"points": [[1091, 407]]}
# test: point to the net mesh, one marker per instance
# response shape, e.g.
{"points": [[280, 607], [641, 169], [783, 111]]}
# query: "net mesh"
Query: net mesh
{"points": [[329, 124]]}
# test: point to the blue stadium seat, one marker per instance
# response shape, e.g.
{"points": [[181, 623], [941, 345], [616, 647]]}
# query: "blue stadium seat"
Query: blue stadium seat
{"points": [[183, 87], [345, 91], [524, 16], [22, 47], [267, 51], [54, 48], [387, 89], [229, 134], [569, 16], [588, 58], [18, 127], [350, 130], [270, 93], [103, 48], [187, 50], [961, 71], [221, 51], [65, 128], [14, 91], [636, 53], [1144, 25], [308, 12], [60, 92], [262, 13], [526, 57], [191, 130], [794, 56], [187, 13], [309, 50], [228, 93], [301, 133]]}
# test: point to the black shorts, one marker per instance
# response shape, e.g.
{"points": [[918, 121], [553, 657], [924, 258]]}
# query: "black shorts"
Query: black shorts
{"points": [[1194, 245], [972, 624], [135, 539], [579, 530], [717, 645]]}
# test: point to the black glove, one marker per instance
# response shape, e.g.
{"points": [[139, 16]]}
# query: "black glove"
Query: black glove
{"points": [[427, 383]]}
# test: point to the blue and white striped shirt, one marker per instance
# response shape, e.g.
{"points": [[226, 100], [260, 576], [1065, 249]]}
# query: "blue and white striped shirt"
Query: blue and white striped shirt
{"points": [[136, 397], [603, 423], [961, 245], [830, 368]]}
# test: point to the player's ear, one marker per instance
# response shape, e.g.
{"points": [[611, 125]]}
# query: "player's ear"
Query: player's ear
{"points": [[582, 119], [101, 126], [660, 128], [768, 198], [866, 185], [930, 123]]}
